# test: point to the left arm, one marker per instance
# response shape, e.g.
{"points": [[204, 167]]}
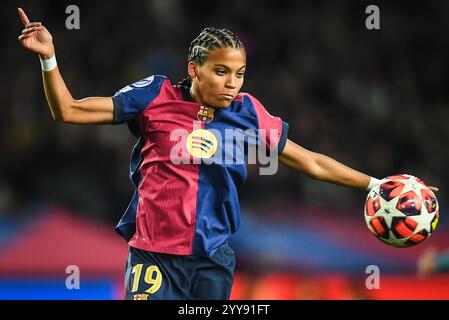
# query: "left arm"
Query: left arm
{"points": [[321, 167]]}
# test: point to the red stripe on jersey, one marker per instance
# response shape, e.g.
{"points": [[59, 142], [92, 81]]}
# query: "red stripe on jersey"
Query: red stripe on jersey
{"points": [[166, 220], [267, 123]]}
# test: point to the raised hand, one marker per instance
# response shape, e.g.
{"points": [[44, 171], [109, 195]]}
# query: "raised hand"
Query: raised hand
{"points": [[35, 37]]}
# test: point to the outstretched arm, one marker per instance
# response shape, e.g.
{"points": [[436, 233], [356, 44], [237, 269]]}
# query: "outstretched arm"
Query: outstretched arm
{"points": [[95, 110], [320, 167]]}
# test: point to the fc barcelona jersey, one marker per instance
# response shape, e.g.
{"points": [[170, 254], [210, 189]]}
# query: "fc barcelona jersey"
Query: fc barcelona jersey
{"points": [[188, 165]]}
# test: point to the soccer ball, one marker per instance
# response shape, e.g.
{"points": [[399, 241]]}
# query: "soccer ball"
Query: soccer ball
{"points": [[402, 211]]}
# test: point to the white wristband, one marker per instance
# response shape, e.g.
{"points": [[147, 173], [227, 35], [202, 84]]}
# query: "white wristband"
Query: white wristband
{"points": [[49, 64], [372, 183]]}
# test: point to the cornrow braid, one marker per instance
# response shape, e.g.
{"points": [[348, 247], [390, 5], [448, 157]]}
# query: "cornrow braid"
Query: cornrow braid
{"points": [[210, 39]]}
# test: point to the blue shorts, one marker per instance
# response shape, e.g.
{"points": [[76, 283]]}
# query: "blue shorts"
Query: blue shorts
{"points": [[159, 276]]}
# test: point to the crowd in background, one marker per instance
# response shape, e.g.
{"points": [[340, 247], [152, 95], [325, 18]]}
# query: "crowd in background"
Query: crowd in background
{"points": [[376, 100]]}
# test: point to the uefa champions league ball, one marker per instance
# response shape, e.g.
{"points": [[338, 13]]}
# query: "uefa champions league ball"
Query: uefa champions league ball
{"points": [[401, 211]]}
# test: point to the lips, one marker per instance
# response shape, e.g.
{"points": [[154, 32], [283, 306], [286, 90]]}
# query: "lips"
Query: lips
{"points": [[228, 96]]}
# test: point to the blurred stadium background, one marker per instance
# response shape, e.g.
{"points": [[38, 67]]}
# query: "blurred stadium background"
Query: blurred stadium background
{"points": [[375, 100]]}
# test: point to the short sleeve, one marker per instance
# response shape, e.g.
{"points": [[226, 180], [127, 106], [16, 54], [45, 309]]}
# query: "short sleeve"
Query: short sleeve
{"points": [[272, 131], [130, 101]]}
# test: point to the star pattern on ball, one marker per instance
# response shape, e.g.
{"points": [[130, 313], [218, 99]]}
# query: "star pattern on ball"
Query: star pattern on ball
{"points": [[388, 210], [395, 242], [392, 214], [424, 220], [411, 184]]}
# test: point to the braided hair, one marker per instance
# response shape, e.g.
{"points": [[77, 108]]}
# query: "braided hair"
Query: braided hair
{"points": [[209, 39]]}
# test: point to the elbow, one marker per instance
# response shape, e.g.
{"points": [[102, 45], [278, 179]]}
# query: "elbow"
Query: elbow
{"points": [[58, 117], [63, 113], [314, 170], [315, 173], [61, 117]]}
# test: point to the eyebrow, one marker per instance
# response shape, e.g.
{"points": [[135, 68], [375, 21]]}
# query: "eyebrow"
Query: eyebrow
{"points": [[227, 68]]}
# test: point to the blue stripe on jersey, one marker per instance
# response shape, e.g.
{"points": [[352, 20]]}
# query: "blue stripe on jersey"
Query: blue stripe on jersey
{"points": [[247, 107], [130, 101], [284, 136], [136, 162], [218, 207], [127, 224]]}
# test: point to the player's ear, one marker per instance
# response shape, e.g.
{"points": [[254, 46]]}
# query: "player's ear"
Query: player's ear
{"points": [[192, 69]]}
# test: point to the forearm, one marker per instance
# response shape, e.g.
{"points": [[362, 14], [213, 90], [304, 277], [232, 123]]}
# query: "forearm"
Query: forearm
{"points": [[330, 170], [92, 110], [321, 167], [95, 110], [58, 96]]}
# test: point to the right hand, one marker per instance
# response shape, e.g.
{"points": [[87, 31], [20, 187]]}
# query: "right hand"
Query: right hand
{"points": [[35, 37]]}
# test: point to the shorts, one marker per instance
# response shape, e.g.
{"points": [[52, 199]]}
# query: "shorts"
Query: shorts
{"points": [[160, 276]]}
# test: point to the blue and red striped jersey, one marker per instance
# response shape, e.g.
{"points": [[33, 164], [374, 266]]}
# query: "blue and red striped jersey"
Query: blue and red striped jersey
{"points": [[188, 165]]}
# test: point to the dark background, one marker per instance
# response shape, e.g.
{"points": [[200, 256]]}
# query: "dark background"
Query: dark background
{"points": [[375, 100]]}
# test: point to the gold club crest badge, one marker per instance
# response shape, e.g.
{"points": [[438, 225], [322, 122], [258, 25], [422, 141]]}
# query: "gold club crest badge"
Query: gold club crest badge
{"points": [[205, 114]]}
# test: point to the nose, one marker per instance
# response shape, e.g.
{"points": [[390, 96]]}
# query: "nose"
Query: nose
{"points": [[231, 82]]}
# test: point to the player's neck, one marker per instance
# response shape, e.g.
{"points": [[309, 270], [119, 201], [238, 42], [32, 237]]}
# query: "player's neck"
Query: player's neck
{"points": [[196, 96]]}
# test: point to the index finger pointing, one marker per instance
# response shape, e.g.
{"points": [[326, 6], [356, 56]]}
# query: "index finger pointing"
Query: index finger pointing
{"points": [[23, 17]]}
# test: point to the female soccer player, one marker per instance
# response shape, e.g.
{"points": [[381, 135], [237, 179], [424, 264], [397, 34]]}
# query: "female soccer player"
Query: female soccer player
{"points": [[185, 206]]}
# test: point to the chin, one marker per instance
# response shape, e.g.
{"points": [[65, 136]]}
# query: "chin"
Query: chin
{"points": [[222, 104]]}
